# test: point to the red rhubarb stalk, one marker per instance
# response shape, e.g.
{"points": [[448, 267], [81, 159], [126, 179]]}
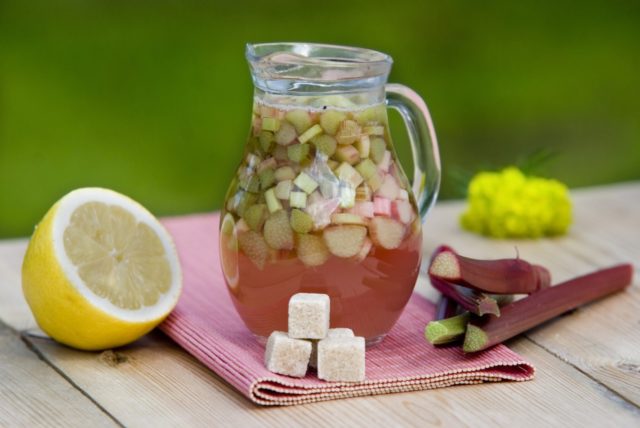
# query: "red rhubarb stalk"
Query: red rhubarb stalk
{"points": [[476, 303], [504, 276], [446, 308], [544, 305]]}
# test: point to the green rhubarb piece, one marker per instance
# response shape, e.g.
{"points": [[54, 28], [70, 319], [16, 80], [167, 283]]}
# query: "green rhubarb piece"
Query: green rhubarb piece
{"points": [[310, 133], [347, 197], [330, 121], [333, 164], [270, 124], [363, 145], [283, 189], [366, 168], [312, 250], [306, 183], [286, 134], [244, 200], [372, 114], [348, 132], [325, 144], [348, 174], [285, 173], [378, 147], [272, 202], [267, 178], [298, 199], [301, 222], [255, 216], [266, 140], [447, 330], [250, 182], [278, 232], [280, 154], [298, 152], [254, 247], [375, 181], [347, 154], [373, 130], [300, 119]]}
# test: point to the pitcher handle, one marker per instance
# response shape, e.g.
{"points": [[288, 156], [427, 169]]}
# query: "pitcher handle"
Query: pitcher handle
{"points": [[424, 144]]}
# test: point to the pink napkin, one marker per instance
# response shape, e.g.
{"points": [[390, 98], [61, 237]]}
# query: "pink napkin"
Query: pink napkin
{"points": [[207, 326]]}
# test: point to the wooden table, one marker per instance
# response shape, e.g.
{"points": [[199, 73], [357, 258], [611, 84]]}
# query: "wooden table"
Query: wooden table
{"points": [[588, 362]]}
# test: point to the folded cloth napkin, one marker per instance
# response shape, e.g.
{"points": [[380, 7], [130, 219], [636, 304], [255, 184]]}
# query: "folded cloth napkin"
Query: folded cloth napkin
{"points": [[207, 326]]}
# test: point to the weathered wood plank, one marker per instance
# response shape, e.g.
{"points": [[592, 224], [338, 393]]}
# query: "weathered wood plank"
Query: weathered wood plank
{"points": [[601, 339], [33, 394], [173, 388], [13, 308]]}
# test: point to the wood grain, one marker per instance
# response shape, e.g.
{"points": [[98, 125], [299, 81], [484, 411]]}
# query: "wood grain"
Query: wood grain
{"points": [[174, 388], [13, 308], [34, 394]]}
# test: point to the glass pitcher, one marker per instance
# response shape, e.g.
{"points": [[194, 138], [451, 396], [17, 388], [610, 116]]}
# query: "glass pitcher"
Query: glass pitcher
{"points": [[320, 203]]}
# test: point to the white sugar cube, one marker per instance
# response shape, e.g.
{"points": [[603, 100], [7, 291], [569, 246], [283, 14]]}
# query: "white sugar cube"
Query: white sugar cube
{"points": [[333, 332], [309, 316], [341, 359], [287, 356]]}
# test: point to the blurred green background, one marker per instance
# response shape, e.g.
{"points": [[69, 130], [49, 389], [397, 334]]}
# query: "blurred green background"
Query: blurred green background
{"points": [[152, 98]]}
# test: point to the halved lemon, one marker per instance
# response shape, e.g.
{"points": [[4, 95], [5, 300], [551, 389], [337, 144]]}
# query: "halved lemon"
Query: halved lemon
{"points": [[100, 270], [229, 251]]}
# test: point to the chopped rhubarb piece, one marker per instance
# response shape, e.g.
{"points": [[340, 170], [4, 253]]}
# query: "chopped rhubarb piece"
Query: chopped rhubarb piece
{"points": [[363, 209], [378, 147], [254, 247], [277, 231], [266, 140], [347, 154], [364, 193], [403, 195], [286, 134], [446, 330], [306, 183], [253, 161], [283, 189], [347, 218], [300, 119], [544, 305], [321, 212], [364, 251], [330, 121], [312, 250], [268, 111], [333, 164], [402, 210], [250, 182], [242, 226], [372, 114], [255, 216], [385, 162], [270, 124], [298, 199], [375, 181], [298, 152], [349, 175], [381, 206], [329, 189], [267, 178], [325, 144], [366, 168], [301, 222], [348, 132], [243, 200], [310, 133], [347, 197], [272, 201], [256, 125], [386, 233], [363, 145], [345, 241], [285, 173], [505, 276], [389, 188], [373, 130], [280, 154], [266, 164]]}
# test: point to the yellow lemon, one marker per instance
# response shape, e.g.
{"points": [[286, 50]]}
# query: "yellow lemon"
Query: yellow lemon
{"points": [[229, 251], [100, 270]]}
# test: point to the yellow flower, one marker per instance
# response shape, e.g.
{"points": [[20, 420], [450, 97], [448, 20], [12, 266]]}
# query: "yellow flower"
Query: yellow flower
{"points": [[508, 204]]}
